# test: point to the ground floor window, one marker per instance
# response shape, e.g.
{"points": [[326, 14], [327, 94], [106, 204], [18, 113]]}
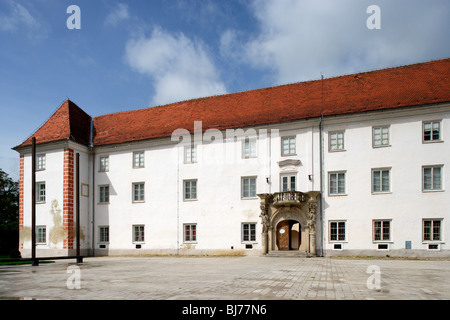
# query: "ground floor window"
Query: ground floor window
{"points": [[104, 234], [41, 234], [248, 232], [190, 232], [432, 230], [138, 233], [381, 230], [337, 230]]}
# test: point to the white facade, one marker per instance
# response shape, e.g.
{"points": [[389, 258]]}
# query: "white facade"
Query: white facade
{"points": [[375, 200]]}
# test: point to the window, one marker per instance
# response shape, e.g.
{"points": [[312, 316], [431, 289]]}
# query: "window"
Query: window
{"points": [[249, 148], [190, 232], [248, 232], [190, 190], [380, 136], [104, 164], [40, 162], [337, 230], [381, 180], [288, 146], [138, 192], [288, 183], [381, 230], [248, 187], [138, 233], [104, 234], [190, 154], [432, 178], [432, 230], [40, 192], [41, 232], [431, 131], [104, 194], [138, 159], [336, 141], [336, 183]]}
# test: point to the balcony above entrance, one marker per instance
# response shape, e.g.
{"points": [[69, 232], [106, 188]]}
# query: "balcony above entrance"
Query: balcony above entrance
{"points": [[289, 198]]}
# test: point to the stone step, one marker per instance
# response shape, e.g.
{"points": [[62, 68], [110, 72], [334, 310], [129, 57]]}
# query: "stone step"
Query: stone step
{"points": [[290, 253]]}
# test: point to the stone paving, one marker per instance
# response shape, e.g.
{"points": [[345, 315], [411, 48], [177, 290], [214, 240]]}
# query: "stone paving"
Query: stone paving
{"points": [[227, 278]]}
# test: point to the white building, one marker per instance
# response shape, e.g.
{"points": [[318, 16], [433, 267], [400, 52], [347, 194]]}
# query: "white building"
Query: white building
{"points": [[352, 165]]}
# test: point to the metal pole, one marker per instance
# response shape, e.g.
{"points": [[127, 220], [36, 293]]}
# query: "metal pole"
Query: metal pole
{"points": [[35, 262]]}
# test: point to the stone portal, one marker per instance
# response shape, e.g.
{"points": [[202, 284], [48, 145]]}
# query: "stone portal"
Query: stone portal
{"points": [[280, 212]]}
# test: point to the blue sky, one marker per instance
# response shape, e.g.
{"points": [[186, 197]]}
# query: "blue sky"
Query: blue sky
{"points": [[136, 54]]}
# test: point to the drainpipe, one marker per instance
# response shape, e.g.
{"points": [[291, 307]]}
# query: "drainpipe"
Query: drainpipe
{"points": [[321, 185], [91, 148]]}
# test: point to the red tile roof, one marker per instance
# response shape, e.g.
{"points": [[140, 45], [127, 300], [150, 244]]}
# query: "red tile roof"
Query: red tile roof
{"points": [[412, 85]]}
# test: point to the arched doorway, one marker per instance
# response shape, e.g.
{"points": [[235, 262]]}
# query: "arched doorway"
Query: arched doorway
{"points": [[288, 235]]}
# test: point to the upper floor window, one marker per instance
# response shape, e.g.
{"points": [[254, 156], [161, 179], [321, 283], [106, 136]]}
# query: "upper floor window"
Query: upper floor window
{"points": [[104, 194], [381, 180], [380, 136], [40, 162], [336, 183], [104, 163], [138, 192], [336, 141], [431, 131], [248, 187], [190, 189], [138, 159], [249, 148], [288, 182], [288, 146], [432, 178], [190, 154], [40, 192]]}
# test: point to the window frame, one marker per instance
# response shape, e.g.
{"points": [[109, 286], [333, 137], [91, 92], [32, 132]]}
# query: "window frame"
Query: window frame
{"points": [[185, 195], [432, 230], [41, 197], [250, 195], [382, 222], [381, 145], [140, 190], [101, 234], [441, 175], [39, 234], [337, 173], [289, 153], [140, 159], [105, 199], [41, 162], [289, 182], [247, 146], [190, 154], [432, 140], [336, 132], [381, 191], [250, 233], [338, 231], [102, 166], [192, 232], [140, 236]]}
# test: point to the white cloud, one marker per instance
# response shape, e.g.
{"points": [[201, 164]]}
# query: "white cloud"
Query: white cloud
{"points": [[120, 13], [180, 67], [18, 17], [297, 40]]}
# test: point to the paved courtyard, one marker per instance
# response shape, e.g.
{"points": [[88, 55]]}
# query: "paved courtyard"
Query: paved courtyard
{"points": [[227, 278]]}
